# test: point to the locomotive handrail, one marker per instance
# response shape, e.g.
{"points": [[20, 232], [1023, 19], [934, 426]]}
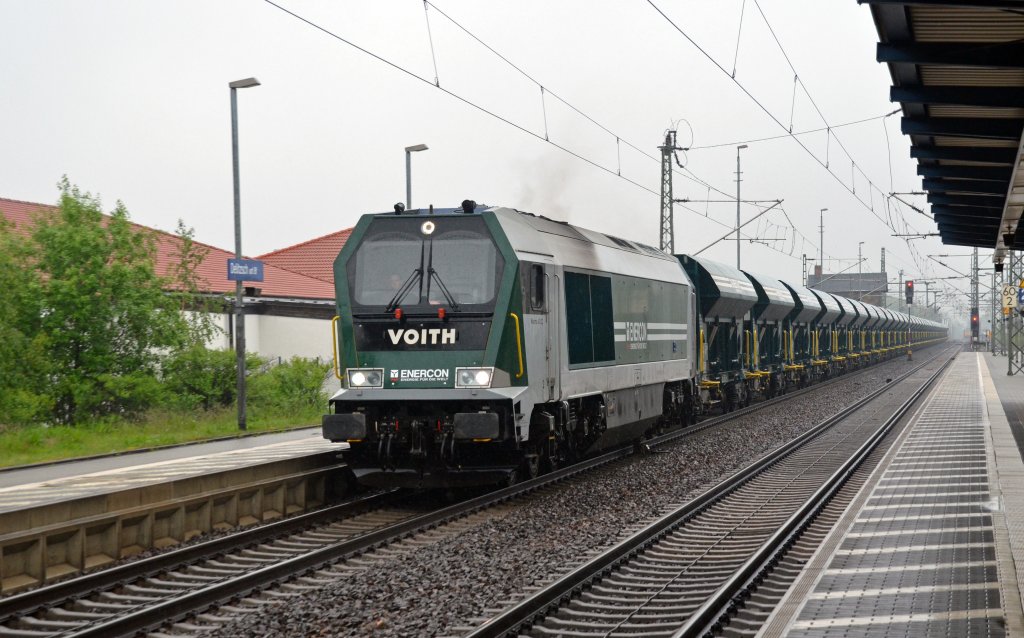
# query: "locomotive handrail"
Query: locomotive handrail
{"points": [[700, 353], [334, 339], [519, 344]]}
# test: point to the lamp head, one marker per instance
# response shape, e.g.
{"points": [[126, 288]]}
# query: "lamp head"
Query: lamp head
{"points": [[415, 147], [244, 84]]}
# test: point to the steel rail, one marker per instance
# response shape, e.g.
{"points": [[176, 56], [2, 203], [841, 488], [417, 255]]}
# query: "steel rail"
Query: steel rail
{"points": [[205, 597], [47, 596], [548, 598], [708, 619]]}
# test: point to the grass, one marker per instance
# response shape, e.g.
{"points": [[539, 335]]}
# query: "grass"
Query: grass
{"points": [[21, 445]]}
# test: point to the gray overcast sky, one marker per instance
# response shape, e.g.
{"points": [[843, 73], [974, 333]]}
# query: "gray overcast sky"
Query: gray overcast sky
{"points": [[130, 100]]}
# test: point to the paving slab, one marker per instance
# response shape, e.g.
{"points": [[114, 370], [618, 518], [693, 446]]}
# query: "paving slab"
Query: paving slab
{"points": [[933, 545]]}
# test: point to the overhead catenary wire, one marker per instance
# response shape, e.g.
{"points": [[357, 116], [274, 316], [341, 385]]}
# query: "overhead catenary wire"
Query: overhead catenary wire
{"points": [[788, 135], [851, 189], [688, 174], [497, 116]]}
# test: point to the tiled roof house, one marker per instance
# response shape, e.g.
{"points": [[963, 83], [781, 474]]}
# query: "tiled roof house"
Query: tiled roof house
{"points": [[313, 258], [280, 280]]}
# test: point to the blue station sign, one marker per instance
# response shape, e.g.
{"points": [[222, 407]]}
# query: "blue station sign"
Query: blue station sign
{"points": [[245, 270]]}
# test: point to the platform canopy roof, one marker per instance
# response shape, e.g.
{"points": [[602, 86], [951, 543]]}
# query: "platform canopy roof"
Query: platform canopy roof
{"points": [[957, 70]]}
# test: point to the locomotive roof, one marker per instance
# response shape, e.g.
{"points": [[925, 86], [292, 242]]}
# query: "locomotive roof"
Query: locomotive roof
{"points": [[536, 238]]}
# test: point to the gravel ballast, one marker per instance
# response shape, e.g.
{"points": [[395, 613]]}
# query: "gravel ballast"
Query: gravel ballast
{"points": [[439, 589]]}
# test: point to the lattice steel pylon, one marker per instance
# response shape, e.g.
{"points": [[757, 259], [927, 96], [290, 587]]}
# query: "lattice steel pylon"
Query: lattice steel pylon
{"points": [[668, 243], [998, 345], [1014, 325], [974, 280]]}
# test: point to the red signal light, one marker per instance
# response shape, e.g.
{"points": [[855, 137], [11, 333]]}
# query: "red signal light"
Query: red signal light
{"points": [[398, 314], [440, 313]]}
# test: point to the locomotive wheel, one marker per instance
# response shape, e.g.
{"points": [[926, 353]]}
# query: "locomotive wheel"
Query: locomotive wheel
{"points": [[511, 479]]}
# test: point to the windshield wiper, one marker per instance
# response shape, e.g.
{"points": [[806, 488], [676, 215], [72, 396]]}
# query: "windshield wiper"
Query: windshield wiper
{"points": [[415, 276], [444, 291], [433, 276]]}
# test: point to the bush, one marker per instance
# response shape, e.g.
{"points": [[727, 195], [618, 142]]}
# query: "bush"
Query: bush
{"points": [[128, 395], [199, 378], [293, 386]]}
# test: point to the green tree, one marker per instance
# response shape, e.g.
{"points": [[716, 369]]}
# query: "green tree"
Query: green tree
{"points": [[191, 290], [104, 314], [23, 361]]}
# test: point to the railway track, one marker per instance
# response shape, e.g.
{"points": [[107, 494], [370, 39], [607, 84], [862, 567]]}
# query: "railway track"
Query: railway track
{"points": [[174, 586], [692, 571]]}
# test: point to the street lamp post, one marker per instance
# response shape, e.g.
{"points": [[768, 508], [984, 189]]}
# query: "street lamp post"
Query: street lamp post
{"points": [[409, 150], [239, 315], [860, 272], [821, 239], [738, 149]]}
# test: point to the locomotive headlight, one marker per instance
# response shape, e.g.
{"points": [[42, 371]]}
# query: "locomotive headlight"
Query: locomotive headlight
{"points": [[365, 377], [473, 377]]}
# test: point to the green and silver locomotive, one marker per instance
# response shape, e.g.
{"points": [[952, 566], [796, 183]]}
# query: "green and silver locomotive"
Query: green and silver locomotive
{"points": [[484, 345]]}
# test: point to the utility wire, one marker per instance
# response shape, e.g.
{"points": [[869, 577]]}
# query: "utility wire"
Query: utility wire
{"points": [[496, 116], [821, 114], [689, 174], [851, 190], [693, 177], [787, 135]]}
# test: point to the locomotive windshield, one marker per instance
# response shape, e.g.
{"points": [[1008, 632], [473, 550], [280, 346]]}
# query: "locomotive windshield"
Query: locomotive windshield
{"points": [[438, 261]]}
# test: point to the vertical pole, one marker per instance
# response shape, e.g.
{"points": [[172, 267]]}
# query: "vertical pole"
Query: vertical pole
{"points": [[992, 308], [1011, 278], [804, 259], [821, 240], [737, 208], [900, 293], [667, 241], [239, 311], [975, 309], [408, 180], [860, 273]]}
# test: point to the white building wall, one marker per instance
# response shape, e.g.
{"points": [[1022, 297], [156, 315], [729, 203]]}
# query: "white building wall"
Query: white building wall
{"points": [[287, 337]]}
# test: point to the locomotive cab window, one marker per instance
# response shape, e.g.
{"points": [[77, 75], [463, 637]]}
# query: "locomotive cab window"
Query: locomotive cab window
{"points": [[419, 266], [537, 291]]}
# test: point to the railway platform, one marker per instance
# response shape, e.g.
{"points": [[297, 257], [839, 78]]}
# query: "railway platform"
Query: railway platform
{"points": [[934, 543], [91, 512]]}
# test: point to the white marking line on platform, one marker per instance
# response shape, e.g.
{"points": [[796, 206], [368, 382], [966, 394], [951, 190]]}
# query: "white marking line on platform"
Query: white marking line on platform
{"points": [[923, 517], [911, 532], [904, 486], [900, 619], [930, 494], [898, 591], [908, 548], [900, 506], [910, 568]]}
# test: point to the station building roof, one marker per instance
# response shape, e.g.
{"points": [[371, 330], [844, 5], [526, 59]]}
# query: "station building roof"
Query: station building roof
{"points": [[313, 258], [957, 70], [278, 282]]}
